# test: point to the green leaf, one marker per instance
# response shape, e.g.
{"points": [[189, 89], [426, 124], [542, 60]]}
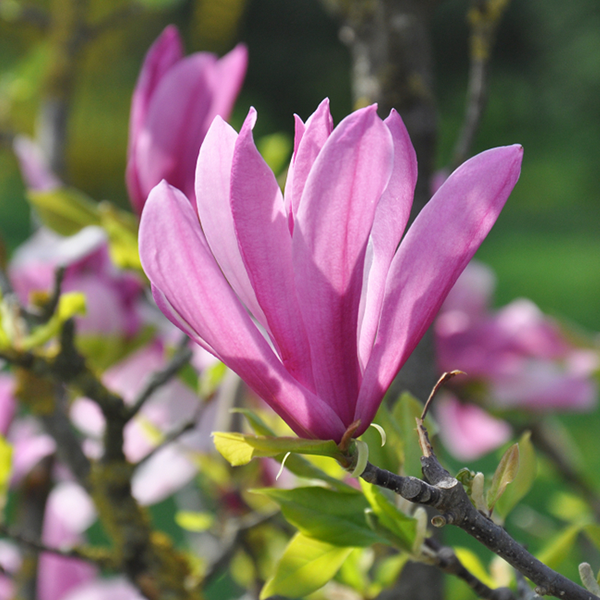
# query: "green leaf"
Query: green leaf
{"points": [[239, 449], [65, 210], [331, 516], [210, 379], [69, 305], [559, 547], [391, 455], [473, 564], [506, 471], [194, 521], [402, 527], [405, 411], [5, 470], [306, 565], [275, 149], [524, 479], [122, 230], [387, 571]]}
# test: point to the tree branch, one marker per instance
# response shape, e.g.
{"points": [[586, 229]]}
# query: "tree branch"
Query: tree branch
{"points": [[448, 496]]}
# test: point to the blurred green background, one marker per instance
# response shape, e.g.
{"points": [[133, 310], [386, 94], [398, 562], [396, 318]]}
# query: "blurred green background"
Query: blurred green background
{"points": [[544, 90], [544, 93]]}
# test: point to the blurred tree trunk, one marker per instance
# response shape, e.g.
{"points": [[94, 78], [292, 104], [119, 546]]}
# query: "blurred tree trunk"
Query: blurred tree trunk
{"points": [[390, 43]]}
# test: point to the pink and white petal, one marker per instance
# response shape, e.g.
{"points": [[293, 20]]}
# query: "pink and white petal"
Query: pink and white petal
{"points": [[164, 473], [116, 588], [467, 431], [330, 236], [433, 254], [266, 246], [176, 125], [165, 52], [213, 197], [389, 223], [225, 79], [309, 140], [178, 262]]}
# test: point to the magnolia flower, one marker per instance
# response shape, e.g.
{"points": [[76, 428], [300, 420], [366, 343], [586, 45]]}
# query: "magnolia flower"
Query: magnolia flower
{"points": [[308, 295], [513, 358], [519, 354], [174, 102]]}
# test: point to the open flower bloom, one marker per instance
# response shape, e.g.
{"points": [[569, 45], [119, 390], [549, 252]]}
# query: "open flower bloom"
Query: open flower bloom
{"points": [[307, 295], [173, 104]]}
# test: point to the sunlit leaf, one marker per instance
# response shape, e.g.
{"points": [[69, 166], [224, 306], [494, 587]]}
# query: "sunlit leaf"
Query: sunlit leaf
{"points": [[69, 305], [306, 565], [402, 527], [405, 411], [558, 548], [473, 564], [65, 210], [122, 230], [5, 469], [194, 521], [505, 473], [331, 516], [239, 449], [275, 149]]}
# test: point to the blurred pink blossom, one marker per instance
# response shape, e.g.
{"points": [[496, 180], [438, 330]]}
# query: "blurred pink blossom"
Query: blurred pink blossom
{"points": [[113, 297], [342, 301], [174, 102], [69, 512], [466, 430], [169, 408], [514, 358]]}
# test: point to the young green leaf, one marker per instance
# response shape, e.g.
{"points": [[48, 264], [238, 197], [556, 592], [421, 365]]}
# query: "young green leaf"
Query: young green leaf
{"points": [[505, 474], [523, 481], [65, 210], [306, 565], [331, 516], [239, 449]]}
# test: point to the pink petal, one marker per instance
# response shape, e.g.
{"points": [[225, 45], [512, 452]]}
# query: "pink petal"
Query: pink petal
{"points": [[390, 221], [226, 81], [178, 262], [163, 54], [308, 142], [213, 183], [266, 246], [329, 241], [435, 251], [467, 431], [176, 123]]}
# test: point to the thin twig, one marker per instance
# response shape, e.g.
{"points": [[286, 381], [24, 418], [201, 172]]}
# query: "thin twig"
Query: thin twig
{"points": [[182, 356], [236, 530], [447, 495], [484, 18], [445, 559], [99, 557]]}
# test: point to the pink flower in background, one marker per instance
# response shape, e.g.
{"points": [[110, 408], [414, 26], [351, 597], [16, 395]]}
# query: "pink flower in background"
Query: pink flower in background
{"points": [[113, 296], [319, 269], [514, 357], [69, 512], [466, 430], [174, 102], [168, 409]]}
